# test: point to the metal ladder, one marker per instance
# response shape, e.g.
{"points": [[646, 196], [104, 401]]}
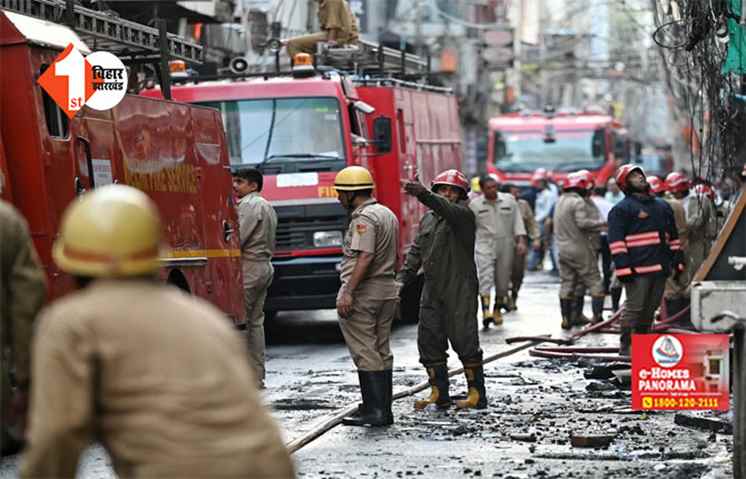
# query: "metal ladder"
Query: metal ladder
{"points": [[104, 31], [369, 58]]}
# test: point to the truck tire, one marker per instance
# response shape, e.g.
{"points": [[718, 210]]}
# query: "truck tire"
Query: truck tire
{"points": [[739, 400], [409, 301]]}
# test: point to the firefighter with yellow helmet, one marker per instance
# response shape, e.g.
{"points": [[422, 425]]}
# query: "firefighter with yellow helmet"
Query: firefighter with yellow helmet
{"points": [[367, 299], [127, 357]]}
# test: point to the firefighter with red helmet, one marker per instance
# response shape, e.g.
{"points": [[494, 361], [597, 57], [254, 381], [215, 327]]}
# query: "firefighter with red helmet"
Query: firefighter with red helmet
{"points": [[444, 251], [701, 218], [646, 248], [657, 186], [676, 293], [573, 225]]}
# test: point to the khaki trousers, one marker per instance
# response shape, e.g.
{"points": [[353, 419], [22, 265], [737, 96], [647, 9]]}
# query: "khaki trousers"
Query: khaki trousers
{"points": [[494, 268], [257, 278], [580, 271], [367, 331]]}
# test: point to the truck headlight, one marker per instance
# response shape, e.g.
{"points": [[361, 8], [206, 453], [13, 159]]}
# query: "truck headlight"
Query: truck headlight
{"points": [[323, 239]]}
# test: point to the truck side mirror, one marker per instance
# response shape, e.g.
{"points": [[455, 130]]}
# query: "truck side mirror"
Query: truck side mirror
{"points": [[382, 134]]}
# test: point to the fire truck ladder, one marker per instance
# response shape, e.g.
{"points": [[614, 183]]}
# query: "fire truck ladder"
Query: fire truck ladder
{"points": [[367, 58], [132, 42]]}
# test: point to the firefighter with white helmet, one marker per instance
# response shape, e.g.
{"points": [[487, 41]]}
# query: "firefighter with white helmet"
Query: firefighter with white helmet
{"points": [[367, 300], [444, 251], [501, 235], [128, 358], [646, 248]]}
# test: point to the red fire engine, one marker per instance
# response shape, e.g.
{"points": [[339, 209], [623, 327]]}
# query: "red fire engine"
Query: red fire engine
{"points": [[301, 128], [561, 143], [174, 152]]}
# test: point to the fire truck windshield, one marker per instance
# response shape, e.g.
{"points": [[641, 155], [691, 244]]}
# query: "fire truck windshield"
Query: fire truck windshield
{"points": [[563, 151], [282, 130]]}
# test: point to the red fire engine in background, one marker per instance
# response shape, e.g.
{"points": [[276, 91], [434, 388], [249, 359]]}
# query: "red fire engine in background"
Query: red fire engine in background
{"points": [[174, 152], [299, 129], [561, 143]]}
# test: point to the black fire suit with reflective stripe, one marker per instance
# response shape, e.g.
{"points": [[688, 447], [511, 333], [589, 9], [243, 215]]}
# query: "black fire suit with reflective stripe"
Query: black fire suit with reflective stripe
{"points": [[645, 247], [643, 238]]}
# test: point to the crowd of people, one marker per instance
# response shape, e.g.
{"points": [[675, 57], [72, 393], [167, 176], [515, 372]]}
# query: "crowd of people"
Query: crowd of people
{"points": [[163, 380]]}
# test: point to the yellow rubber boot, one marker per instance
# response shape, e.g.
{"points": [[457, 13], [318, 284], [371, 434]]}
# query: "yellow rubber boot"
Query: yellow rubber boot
{"points": [[497, 317], [487, 315], [476, 398], [438, 389]]}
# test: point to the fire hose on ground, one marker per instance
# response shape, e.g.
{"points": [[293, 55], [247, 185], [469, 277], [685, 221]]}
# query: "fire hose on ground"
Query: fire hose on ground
{"points": [[563, 351], [329, 422]]}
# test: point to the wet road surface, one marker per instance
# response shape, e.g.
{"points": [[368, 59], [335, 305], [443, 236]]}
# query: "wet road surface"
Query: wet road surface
{"points": [[535, 405]]}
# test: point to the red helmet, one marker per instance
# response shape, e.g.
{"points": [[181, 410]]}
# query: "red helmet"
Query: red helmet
{"points": [[677, 182], [577, 180], [706, 190], [539, 175], [452, 178], [656, 185], [588, 177], [623, 172]]}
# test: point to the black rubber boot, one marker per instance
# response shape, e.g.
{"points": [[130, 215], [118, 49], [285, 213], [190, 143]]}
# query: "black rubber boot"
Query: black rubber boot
{"points": [[566, 307], [616, 295], [598, 309], [388, 376], [514, 300], [439, 385], [625, 341], [371, 413], [676, 306], [476, 398], [577, 318]]}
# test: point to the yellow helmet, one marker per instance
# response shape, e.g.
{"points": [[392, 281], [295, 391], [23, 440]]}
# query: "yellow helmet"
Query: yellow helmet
{"points": [[113, 231], [475, 185], [353, 178]]}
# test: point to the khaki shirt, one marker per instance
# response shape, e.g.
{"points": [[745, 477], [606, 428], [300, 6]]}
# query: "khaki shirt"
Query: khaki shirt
{"points": [[572, 225], [529, 220], [496, 220], [158, 376], [373, 229], [594, 235], [680, 217], [336, 15], [22, 291], [258, 226]]}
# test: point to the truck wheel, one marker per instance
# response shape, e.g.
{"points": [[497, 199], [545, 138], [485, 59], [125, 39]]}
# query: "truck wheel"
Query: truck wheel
{"points": [[739, 406], [409, 301]]}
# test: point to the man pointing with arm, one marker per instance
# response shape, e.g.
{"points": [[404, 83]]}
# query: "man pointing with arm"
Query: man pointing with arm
{"points": [[444, 250]]}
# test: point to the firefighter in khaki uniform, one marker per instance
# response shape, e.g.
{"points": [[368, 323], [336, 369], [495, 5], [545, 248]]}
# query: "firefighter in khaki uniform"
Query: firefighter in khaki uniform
{"points": [[500, 236], [534, 236], [444, 251], [257, 225], [701, 220], [367, 300], [339, 27], [156, 375], [676, 292], [22, 293], [595, 241], [646, 248], [577, 258]]}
